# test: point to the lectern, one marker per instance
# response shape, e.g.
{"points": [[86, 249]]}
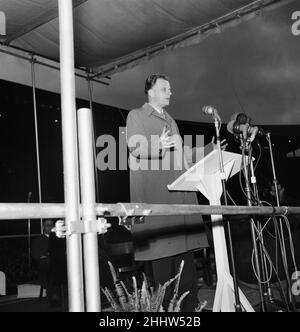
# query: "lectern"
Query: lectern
{"points": [[205, 176]]}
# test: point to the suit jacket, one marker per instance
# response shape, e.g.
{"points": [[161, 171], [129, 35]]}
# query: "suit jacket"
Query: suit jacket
{"points": [[154, 238], [40, 247]]}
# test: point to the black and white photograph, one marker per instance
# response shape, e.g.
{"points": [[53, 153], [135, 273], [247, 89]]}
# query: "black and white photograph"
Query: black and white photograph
{"points": [[150, 158]]}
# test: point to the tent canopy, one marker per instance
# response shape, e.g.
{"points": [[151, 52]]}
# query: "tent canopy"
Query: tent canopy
{"points": [[108, 30], [251, 67]]}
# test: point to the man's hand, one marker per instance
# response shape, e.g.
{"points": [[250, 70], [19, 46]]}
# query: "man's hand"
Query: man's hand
{"points": [[224, 144], [165, 140]]}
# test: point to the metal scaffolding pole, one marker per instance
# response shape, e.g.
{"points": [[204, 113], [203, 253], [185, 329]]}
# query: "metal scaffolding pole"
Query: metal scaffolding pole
{"points": [[70, 155], [90, 92], [15, 211], [90, 239]]}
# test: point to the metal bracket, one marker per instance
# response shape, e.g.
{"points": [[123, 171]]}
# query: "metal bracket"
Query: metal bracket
{"points": [[99, 226], [130, 221]]}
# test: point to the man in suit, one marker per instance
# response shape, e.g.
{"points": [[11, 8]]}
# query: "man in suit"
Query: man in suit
{"points": [[49, 252], [157, 158], [41, 254]]}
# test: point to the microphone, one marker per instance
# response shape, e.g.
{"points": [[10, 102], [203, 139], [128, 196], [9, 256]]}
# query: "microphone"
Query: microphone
{"points": [[230, 127], [249, 132], [240, 125], [209, 110], [254, 132]]}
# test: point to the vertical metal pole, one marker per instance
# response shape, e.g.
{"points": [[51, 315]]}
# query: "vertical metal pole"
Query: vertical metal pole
{"points": [[29, 235], [87, 181], [29, 243], [281, 233], [267, 292], [90, 92], [249, 203], [238, 306], [36, 135], [70, 154]]}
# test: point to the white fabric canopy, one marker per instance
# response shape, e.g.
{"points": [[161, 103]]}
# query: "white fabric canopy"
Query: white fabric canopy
{"points": [[106, 30], [250, 62]]}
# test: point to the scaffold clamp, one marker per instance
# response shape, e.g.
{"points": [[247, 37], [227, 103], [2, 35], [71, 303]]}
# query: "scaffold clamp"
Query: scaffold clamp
{"points": [[99, 226]]}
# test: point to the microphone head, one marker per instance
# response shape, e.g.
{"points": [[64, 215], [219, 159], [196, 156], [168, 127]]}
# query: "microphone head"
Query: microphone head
{"points": [[208, 110], [253, 132], [242, 129], [230, 126], [236, 120], [232, 122]]}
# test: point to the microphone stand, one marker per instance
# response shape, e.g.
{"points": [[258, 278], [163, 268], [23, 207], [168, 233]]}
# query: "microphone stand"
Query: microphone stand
{"points": [[283, 251], [266, 286], [238, 306], [249, 202], [29, 234]]}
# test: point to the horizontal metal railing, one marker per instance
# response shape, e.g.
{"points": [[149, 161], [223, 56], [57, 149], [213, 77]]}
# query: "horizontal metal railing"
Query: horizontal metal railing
{"points": [[14, 211]]}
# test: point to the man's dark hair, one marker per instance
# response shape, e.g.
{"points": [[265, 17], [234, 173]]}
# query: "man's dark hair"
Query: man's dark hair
{"points": [[152, 79], [48, 219]]}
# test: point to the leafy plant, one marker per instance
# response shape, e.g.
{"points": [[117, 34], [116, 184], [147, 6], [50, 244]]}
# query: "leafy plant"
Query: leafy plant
{"points": [[145, 299]]}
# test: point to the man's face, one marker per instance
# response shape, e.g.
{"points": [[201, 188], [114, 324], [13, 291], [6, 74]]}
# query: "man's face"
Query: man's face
{"points": [[160, 93], [48, 225]]}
